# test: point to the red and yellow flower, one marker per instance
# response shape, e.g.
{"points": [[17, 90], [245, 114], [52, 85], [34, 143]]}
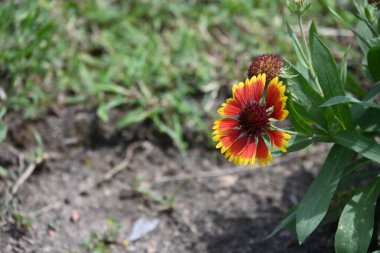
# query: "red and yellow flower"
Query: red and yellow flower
{"points": [[246, 121]]}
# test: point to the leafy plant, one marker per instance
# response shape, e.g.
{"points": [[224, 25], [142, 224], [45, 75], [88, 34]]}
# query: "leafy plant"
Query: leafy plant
{"points": [[324, 107], [100, 243]]}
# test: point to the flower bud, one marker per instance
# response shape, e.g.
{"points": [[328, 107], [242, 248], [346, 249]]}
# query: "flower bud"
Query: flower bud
{"points": [[298, 6], [269, 64]]}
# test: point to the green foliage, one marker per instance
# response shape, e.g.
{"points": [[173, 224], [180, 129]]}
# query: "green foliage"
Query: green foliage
{"points": [[151, 59], [21, 222], [316, 201], [373, 62], [100, 243], [328, 77], [3, 126], [360, 144], [329, 104], [356, 222]]}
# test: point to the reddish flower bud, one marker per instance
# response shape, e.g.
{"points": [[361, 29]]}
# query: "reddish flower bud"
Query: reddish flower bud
{"points": [[269, 64]]}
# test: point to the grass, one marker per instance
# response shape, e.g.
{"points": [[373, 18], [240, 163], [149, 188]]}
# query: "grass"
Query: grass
{"points": [[160, 61]]}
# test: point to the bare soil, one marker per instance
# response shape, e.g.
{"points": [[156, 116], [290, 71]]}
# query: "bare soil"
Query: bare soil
{"points": [[218, 208]]}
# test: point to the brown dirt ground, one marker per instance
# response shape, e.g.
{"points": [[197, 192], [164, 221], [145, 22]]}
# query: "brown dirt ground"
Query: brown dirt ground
{"points": [[219, 208]]}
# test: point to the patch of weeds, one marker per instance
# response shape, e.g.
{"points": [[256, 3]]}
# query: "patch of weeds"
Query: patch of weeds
{"points": [[101, 242], [155, 60], [19, 225], [166, 200]]}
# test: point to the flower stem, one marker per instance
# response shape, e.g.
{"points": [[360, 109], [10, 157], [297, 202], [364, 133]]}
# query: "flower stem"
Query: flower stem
{"points": [[287, 131]]}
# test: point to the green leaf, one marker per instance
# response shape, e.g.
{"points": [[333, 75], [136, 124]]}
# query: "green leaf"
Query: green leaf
{"points": [[174, 131], [360, 144], [103, 109], [306, 94], [313, 29], [3, 131], [346, 99], [373, 58], [288, 221], [328, 76], [297, 46], [349, 175], [316, 201], [343, 66], [355, 225], [135, 116], [296, 116], [352, 85], [362, 38], [369, 120], [337, 205], [297, 142]]}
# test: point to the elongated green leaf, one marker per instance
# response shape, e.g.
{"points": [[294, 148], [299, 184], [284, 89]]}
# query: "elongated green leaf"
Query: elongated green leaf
{"points": [[343, 66], [316, 201], [360, 144], [313, 29], [373, 92], [328, 76], [349, 176], [356, 222], [296, 143], [373, 58], [346, 99], [362, 38], [296, 118], [135, 116], [337, 205], [353, 86], [369, 120], [103, 109], [288, 221], [305, 93], [297, 46], [3, 131]]}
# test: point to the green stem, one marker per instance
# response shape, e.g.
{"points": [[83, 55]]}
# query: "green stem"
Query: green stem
{"points": [[308, 54], [287, 131]]}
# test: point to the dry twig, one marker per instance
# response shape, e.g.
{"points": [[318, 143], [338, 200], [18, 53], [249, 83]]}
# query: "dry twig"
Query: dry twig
{"points": [[115, 170]]}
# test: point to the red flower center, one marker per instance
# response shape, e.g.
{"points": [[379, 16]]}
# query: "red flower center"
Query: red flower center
{"points": [[253, 119]]}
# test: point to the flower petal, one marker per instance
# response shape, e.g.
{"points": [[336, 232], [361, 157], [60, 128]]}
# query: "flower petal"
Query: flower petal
{"points": [[230, 108], [278, 112], [255, 87], [263, 155], [238, 146], [249, 152], [226, 138], [279, 139], [224, 124], [274, 93]]}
